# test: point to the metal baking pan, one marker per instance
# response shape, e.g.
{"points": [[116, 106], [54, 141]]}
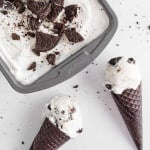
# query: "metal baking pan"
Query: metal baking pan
{"points": [[70, 66]]}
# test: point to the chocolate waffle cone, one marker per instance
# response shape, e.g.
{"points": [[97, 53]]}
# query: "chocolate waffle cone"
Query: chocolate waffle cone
{"points": [[49, 137], [130, 107]]}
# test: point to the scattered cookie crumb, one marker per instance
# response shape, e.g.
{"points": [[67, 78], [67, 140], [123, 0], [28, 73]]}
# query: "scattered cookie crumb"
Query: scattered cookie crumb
{"points": [[22, 142], [75, 86]]}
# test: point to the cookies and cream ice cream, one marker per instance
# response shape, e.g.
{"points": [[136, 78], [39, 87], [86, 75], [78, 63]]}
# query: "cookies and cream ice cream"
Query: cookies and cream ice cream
{"points": [[122, 73], [65, 114], [36, 35], [123, 79]]}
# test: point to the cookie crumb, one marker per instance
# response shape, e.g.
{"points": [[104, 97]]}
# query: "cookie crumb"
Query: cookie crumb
{"points": [[75, 86], [15, 36]]}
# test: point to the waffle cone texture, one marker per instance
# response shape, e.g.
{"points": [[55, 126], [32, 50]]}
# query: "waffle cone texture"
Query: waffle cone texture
{"points": [[49, 137], [130, 107]]}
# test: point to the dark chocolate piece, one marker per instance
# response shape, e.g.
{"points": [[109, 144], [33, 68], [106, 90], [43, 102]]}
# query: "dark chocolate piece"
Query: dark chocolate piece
{"points": [[31, 34], [45, 42], [73, 35], [49, 137], [55, 11], [114, 61], [51, 58], [15, 36], [1, 3], [130, 107], [71, 12], [33, 23], [32, 66], [41, 9]]}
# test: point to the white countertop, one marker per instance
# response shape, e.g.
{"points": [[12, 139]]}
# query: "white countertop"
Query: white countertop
{"points": [[104, 129]]}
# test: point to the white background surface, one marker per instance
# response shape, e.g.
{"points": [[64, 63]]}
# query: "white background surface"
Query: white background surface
{"points": [[104, 129]]}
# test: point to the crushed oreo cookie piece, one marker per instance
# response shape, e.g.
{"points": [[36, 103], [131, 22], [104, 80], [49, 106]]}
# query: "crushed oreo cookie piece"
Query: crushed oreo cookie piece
{"points": [[58, 28], [71, 12], [58, 2], [73, 110], [73, 36], [80, 131], [10, 1], [8, 5], [75, 86], [21, 9], [45, 42], [36, 52], [57, 53], [41, 9], [1, 3], [108, 86], [114, 61], [33, 23], [49, 107], [32, 66], [51, 58], [55, 11], [18, 3], [31, 34], [4, 12], [15, 36], [131, 61]]}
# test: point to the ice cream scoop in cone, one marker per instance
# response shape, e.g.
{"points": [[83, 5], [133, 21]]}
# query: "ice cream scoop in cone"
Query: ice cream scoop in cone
{"points": [[63, 122], [122, 78]]}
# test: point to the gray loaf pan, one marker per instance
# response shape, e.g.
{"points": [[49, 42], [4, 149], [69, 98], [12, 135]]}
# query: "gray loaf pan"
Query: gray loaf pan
{"points": [[70, 66]]}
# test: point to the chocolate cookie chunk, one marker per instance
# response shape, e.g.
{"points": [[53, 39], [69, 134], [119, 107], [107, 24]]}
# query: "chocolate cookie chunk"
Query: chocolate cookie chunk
{"points": [[18, 3], [32, 66], [57, 2], [33, 23], [114, 61], [4, 12], [1, 3], [45, 42], [21, 9], [58, 28], [73, 36], [15, 36], [41, 9], [55, 11], [71, 12], [31, 34], [8, 5], [51, 58]]}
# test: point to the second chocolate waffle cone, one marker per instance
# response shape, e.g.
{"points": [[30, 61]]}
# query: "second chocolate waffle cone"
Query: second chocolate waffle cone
{"points": [[49, 137], [130, 107]]}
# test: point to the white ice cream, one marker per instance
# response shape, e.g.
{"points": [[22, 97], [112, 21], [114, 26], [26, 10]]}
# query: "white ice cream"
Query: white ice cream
{"points": [[122, 75], [64, 113], [90, 23]]}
